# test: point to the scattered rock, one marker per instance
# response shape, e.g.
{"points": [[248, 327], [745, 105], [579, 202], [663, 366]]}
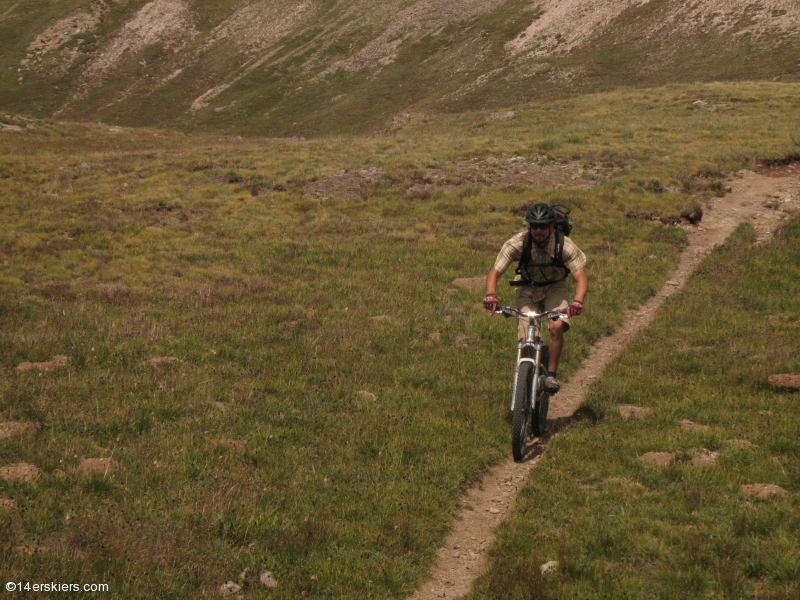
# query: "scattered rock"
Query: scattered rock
{"points": [[704, 458], [509, 114], [5, 503], [157, 361], [8, 127], [548, 567], [12, 428], [19, 472], [786, 380], [693, 215], [661, 459], [56, 363], [30, 549], [692, 426], [764, 490], [101, 466], [267, 579], [365, 395], [494, 511], [435, 336], [470, 283], [741, 444], [226, 589], [235, 444], [628, 411]]}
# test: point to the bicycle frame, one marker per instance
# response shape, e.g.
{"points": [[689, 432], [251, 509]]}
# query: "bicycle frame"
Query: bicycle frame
{"points": [[533, 340]]}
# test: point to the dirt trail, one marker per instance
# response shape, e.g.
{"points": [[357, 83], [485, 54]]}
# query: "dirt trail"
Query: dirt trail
{"points": [[763, 200]]}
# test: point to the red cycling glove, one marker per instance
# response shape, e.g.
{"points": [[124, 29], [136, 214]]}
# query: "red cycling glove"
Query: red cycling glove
{"points": [[574, 309], [490, 302]]}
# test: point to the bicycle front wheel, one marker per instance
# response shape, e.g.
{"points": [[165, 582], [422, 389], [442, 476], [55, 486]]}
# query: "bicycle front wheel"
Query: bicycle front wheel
{"points": [[539, 416], [541, 401], [522, 410]]}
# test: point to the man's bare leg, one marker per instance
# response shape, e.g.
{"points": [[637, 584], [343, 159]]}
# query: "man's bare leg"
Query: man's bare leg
{"points": [[556, 344]]}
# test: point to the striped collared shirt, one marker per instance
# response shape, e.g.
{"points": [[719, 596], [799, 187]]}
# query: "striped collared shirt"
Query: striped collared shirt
{"points": [[540, 269]]}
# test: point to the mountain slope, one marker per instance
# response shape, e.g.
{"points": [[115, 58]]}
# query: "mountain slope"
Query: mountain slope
{"points": [[319, 66]]}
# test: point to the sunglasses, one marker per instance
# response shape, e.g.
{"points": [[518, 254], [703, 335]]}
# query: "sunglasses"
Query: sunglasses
{"points": [[540, 225]]}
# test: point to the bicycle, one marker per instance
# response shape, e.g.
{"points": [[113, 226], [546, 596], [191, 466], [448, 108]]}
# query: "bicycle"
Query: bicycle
{"points": [[529, 399]]}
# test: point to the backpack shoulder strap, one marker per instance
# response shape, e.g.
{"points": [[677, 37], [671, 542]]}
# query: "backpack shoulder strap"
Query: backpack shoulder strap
{"points": [[558, 258], [525, 256]]}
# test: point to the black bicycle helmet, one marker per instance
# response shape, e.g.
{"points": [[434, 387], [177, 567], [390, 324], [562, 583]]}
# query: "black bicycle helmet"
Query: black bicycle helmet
{"points": [[540, 213]]}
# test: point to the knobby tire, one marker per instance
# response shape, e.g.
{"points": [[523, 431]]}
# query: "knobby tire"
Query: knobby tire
{"points": [[522, 410], [539, 416]]}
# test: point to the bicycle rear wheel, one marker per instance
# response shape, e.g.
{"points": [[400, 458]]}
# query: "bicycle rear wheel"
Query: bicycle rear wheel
{"points": [[522, 410]]}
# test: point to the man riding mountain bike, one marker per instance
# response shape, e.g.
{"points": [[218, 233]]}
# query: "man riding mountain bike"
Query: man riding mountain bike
{"points": [[546, 257]]}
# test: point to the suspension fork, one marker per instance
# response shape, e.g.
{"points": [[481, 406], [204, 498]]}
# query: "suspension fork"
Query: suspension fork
{"points": [[537, 360], [533, 341], [520, 346]]}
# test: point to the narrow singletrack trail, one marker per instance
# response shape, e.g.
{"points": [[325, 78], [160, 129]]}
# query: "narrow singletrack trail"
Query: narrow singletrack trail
{"points": [[463, 556]]}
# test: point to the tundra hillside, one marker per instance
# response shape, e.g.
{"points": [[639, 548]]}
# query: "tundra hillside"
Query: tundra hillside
{"points": [[303, 67], [266, 367]]}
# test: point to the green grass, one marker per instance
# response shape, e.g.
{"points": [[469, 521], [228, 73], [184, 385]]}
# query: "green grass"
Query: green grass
{"points": [[624, 529], [119, 245]]}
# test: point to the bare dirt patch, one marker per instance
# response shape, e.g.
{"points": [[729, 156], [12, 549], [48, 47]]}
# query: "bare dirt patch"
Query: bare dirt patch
{"points": [[345, 185], [692, 426], [764, 490], [791, 381], [221, 407], [628, 411], [452, 576], [744, 444], [158, 361], [239, 445], [11, 428], [660, 459], [100, 466], [19, 472], [56, 363], [704, 458], [9, 504]]}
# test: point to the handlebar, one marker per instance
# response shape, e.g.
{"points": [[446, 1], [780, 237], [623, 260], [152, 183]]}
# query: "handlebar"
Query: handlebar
{"points": [[509, 311]]}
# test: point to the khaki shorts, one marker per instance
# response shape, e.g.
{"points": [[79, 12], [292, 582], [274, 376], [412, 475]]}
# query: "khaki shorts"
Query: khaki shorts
{"points": [[550, 297]]}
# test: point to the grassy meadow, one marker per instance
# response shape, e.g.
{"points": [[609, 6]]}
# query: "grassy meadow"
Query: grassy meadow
{"points": [[621, 528], [333, 393]]}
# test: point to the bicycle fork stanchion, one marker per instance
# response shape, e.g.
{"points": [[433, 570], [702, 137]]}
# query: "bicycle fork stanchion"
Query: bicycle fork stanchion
{"points": [[520, 346]]}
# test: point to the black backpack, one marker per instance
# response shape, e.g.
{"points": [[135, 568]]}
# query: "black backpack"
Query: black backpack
{"points": [[563, 227]]}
